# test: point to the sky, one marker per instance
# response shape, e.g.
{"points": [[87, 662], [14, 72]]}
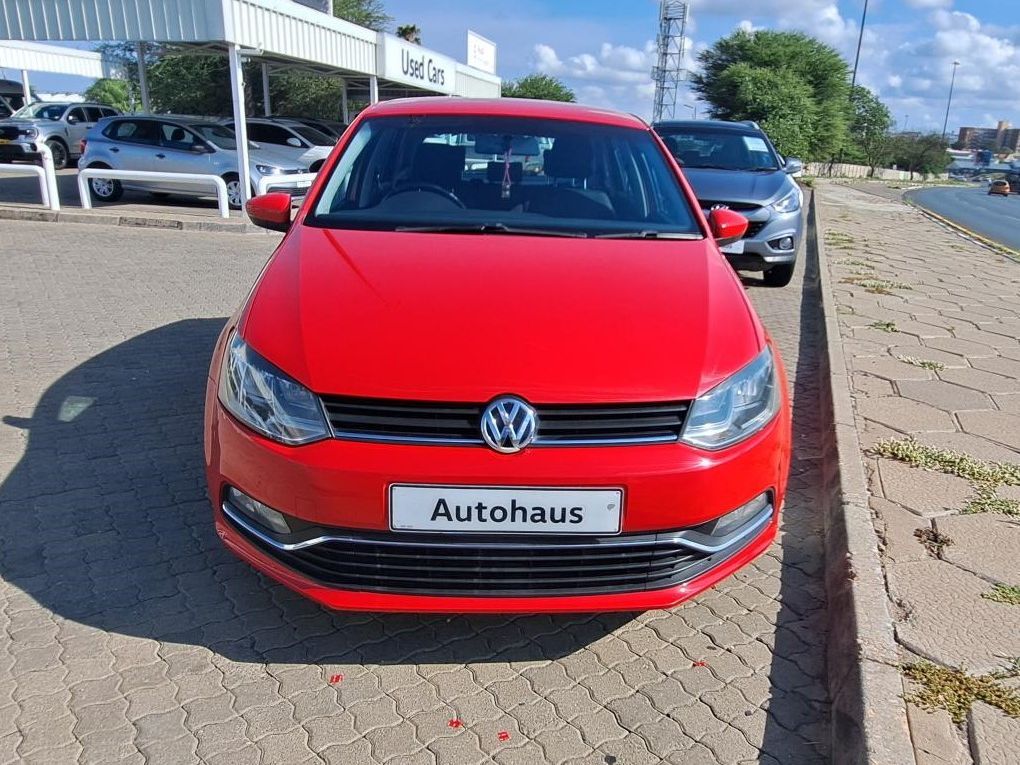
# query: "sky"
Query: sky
{"points": [[604, 49]]}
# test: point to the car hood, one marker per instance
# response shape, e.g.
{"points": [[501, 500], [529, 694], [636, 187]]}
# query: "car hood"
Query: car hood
{"points": [[737, 186], [468, 317], [268, 155], [23, 123]]}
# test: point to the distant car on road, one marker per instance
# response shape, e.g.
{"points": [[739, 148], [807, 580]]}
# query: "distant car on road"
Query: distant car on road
{"points": [[175, 145], [61, 126], [1000, 187], [734, 165]]}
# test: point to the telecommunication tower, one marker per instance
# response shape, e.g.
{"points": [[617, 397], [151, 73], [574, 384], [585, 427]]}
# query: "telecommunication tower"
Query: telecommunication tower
{"points": [[669, 70]]}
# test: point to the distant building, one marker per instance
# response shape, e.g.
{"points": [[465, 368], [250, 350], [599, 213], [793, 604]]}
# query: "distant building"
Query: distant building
{"points": [[1002, 137]]}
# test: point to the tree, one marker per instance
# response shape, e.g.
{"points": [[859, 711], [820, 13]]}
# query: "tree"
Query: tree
{"points": [[365, 13], [778, 100], [920, 153], [409, 32], [870, 120], [815, 65], [539, 86], [115, 93]]}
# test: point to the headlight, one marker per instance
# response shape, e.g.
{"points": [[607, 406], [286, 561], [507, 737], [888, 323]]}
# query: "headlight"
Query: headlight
{"points": [[736, 407], [267, 400], [789, 203], [30, 132], [268, 170]]}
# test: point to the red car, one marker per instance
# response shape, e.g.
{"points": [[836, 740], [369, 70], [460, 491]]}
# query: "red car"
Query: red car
{"points": [[459, 386]]}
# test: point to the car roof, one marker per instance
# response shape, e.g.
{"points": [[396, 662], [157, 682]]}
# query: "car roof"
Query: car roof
{"points": [[736, 127], [504, 107]]}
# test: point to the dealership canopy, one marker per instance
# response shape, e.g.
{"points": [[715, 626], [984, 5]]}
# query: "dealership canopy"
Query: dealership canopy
{"points": [[279, 34]]}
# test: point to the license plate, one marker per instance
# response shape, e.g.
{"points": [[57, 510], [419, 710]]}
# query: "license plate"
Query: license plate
{"points": [[735, 248], [505, 510]]}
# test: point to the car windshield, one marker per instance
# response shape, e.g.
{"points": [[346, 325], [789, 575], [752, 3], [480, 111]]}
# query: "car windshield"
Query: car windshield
{"points": [[719, 149], [40, 112], [313, 136], [467, 173], [217, 135]]}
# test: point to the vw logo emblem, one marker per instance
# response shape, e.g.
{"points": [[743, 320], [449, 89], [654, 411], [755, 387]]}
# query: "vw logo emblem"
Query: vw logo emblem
{"points": [[509, 424]]}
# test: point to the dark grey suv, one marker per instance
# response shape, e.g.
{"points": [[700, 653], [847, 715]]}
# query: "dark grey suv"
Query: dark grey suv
{"points": [[735, 165]]}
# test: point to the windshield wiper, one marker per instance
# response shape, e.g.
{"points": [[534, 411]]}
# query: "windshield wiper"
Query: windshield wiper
{"points": [[649, 234], [488, 228]]}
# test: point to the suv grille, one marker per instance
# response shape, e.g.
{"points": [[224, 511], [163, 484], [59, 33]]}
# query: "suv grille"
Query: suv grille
{"points": [[753, 228], [507, 566], [558, 425]]}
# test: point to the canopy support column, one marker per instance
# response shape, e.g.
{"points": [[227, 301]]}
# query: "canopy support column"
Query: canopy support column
{"points": [[240, 123], [267, 108], [143, 80], [345, 108], [26, 89], [373, 89]]}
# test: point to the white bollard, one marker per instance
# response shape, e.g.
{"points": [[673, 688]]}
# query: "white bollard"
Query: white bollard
{"points": [[51, 197]]}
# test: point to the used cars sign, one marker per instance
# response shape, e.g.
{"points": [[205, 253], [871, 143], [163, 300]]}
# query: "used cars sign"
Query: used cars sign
{"points": [[414, 65]]}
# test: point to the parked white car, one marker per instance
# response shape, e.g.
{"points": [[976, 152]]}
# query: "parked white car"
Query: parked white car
{"points": [[303, 143]]}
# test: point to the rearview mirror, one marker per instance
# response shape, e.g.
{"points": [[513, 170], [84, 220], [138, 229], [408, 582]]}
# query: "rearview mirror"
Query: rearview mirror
{"points": [[270, 211], [292, 141], [793, 166], [727, 226]]}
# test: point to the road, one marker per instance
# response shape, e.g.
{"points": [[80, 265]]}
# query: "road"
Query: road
{"points": [[995, 217], [131, 635]]}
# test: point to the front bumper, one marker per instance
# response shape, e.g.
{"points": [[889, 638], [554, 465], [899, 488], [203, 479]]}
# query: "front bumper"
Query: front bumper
{"points": [[19, 151], [766, 230], [340, 489]]}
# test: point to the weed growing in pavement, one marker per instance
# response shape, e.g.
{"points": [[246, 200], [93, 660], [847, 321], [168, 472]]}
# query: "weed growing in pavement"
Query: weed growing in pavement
{"points": [[855, 262], [885, 326], [838, 240], [985, 477], [934, 366], [1003, 593], [932, 540], [956, 691], [876, 286]]}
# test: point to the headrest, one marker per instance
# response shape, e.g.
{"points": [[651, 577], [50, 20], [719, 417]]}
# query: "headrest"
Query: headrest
{"points": [[494, 172], [439, 163], [568, 158], [178, 135]]}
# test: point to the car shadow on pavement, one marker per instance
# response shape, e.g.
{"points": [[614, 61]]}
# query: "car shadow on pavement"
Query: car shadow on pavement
{"points": [[105, 522]]}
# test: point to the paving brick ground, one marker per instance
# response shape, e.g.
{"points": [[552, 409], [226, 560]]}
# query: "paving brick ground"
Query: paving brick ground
{"points": [[130, 634], [910, 292]]}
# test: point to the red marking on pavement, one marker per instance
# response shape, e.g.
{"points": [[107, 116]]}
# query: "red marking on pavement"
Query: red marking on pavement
{"points": [[455, 723], [337, 678], [699, 663], [503, 736]]}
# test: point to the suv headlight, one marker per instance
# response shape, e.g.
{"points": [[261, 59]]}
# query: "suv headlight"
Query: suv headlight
{"points": [[30, 132], [735, 408], [268, 169], [267, 400], [789, 203]]}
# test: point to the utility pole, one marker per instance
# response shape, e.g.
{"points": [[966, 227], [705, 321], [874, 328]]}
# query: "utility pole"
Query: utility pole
{"points": [[860, 38], [949, 102]]}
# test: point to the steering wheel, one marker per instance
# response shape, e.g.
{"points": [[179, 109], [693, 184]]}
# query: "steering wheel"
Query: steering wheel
{"points": [[431, 188]]}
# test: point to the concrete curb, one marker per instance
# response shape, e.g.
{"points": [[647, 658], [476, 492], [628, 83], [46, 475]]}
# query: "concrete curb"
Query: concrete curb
{"points": [[869, 718], [146, 221]]}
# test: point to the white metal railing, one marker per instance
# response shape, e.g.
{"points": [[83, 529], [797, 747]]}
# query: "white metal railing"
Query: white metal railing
{"points": [[46, 174], [284, 182], [193, 179]]}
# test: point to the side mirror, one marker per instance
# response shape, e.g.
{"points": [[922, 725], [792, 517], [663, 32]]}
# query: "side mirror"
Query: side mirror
{"points": [[292, 141], [727, 226], [72, 120], [793, 166], [270, 211], [201, 148]]}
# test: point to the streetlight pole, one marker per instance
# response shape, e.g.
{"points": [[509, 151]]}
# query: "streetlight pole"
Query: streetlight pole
{"points": [[695, 108], [949, 102], [860, 38]]}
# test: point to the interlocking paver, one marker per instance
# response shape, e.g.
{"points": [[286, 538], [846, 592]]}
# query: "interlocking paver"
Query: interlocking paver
{"points": [[134, 634], [973, 295]]}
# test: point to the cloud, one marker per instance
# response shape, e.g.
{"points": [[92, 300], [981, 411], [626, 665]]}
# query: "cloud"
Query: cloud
{"points": [[929, 3]]}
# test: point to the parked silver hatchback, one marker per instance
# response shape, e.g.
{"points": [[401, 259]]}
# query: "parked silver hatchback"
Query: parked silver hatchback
{"points": [[176, 144]]}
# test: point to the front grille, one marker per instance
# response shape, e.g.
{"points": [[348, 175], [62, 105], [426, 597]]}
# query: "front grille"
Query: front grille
{"points": [[453, 423], [708, 204], [496, 567], [754, 227]]}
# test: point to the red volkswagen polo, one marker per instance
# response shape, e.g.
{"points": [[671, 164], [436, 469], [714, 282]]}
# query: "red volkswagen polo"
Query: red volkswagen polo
{"points": [[497, 363]]}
